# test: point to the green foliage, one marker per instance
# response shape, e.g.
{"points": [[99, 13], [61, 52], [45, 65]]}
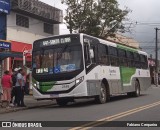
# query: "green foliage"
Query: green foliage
{"points": [[100, 18]]}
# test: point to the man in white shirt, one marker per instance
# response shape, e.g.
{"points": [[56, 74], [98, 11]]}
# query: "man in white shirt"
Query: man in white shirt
{"points": [[19, 96]]}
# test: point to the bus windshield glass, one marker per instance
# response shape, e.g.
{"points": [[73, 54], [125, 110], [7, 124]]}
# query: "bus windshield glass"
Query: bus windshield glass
{"points": [[58, 59]]}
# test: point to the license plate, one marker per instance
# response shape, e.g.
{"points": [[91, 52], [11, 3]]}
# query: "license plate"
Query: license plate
{"points": [[54, 95]]}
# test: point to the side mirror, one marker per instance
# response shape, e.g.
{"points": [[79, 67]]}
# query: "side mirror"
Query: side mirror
{"points": [[91, 53]]}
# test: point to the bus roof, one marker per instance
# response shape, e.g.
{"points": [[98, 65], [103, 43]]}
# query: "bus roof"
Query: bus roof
{"points": [[109, 43]]}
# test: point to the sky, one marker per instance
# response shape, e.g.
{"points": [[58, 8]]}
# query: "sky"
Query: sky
{"points": [[144, 18]]}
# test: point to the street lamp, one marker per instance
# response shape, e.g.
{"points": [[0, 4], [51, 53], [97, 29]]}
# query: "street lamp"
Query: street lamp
{"points": [[156, 49]]}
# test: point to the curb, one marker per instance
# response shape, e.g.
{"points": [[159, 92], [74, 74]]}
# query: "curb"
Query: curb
{"points": [[25, 108]]}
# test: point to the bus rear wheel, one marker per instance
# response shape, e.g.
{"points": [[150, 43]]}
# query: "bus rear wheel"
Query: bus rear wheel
{"points": [[104, 94], [62, 102], [136, 93], [137, 89]]}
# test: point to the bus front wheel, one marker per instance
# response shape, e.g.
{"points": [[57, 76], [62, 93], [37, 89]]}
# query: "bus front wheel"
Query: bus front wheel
{"points": [[104, 94], [62, 102]]}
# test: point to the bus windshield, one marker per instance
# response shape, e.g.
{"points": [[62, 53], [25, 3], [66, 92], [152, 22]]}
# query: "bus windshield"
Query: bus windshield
{"points": [[57, 60]]}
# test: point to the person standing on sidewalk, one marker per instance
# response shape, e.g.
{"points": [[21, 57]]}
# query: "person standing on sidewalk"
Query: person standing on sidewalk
{"points": [[14, 80], [6, 83], [19, 96], [27, 84]]}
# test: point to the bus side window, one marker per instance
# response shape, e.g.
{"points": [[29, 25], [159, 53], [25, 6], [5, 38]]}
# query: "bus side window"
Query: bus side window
{"points": [[142, 60], [122, 57], [137, 60], [113, 56], [144, 63], [93, 47], [86, 54], [103, 55], [130, 59]]}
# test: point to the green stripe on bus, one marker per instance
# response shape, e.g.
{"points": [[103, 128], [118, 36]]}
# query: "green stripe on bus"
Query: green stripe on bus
{"points": [[45, 86], [127, 48], [126, 74]]}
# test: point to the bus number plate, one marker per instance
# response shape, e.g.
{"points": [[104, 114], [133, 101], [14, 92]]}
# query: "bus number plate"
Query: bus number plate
{"points": [[54, 95]]}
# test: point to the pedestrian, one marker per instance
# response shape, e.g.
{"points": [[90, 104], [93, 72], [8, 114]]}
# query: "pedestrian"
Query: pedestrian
{"points": [[1, 93], [20, 83], [6, 83], [13, 92], [25, 78], [27, 85]]}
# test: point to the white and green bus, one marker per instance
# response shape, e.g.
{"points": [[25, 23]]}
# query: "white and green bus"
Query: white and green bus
{"points": [[67, 67]]}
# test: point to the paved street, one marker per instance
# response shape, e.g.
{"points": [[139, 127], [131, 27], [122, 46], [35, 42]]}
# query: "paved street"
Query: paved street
{"points": [[87, 110]]}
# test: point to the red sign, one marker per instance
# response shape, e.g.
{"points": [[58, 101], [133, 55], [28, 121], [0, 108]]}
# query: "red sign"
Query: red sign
{"points": [[151, 62]]}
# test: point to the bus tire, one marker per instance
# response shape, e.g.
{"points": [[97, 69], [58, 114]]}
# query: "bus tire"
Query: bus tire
{"points": [[137, 89], [62, 102], [136, 93], [104, 94]]}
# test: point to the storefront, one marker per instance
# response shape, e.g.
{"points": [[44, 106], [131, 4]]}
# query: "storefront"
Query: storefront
{"points": [[19, 48]]}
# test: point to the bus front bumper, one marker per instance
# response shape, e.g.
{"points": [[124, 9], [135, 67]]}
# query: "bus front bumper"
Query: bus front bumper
{"points": [[78, 91]]}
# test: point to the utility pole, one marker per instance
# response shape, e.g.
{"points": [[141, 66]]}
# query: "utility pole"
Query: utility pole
{"points": [[156, 62]]}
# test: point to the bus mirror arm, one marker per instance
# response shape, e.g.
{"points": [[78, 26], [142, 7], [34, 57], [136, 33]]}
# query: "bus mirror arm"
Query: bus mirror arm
{"points": [[91, 53]]}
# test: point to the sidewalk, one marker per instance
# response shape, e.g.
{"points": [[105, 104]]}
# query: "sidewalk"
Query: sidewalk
{"points": [[154, 86], [30, 102]]}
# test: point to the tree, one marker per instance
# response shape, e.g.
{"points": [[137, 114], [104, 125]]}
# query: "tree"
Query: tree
{"points": [[100, 18]]}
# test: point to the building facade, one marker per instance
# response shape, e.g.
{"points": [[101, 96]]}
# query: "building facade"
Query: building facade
{"points": [[28, 21]]}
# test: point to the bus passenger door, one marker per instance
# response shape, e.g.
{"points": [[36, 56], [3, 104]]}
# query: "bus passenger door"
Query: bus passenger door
{"points": [[90, 56]]}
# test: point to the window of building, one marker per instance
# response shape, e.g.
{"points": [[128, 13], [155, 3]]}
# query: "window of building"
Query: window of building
{"points": [[22, 21], [48, 28]]}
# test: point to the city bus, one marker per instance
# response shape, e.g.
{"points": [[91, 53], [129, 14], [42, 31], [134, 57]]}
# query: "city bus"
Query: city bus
{"points": [[67, 67]]}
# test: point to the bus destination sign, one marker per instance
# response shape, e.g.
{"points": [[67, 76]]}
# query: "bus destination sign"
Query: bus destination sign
{"points": [[56, 41]]}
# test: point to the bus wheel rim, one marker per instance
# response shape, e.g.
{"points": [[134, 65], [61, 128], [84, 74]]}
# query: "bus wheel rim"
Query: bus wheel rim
{"points": [[137, 88], [103, 93]]}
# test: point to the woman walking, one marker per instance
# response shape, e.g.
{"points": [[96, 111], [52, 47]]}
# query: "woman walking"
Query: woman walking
{"points": [[6, 83]]}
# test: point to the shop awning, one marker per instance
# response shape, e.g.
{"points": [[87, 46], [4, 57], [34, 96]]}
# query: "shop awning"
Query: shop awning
{"points": [[4, 55]]}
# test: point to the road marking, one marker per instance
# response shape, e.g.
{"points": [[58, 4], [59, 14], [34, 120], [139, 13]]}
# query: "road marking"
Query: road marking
{"points": [[114, 117]]}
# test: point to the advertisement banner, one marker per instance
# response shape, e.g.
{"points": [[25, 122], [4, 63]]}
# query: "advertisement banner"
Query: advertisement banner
{"points": [[5, 44], [5, 6]]}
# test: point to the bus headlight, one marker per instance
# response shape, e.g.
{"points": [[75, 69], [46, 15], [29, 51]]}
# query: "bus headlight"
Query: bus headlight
{"points": [[36, 85], [78, 81]]}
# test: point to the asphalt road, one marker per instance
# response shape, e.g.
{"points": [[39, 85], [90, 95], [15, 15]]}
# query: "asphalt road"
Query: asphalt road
{"points": [[120, 108]]}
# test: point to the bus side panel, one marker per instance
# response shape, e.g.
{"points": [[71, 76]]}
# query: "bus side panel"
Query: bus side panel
{"points": [[143, 77], [95, 77], [130, 75], [145, 83], [126, 78]]}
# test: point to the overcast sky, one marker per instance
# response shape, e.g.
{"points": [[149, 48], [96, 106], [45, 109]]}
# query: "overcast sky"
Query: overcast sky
{"points": [[145, 12]]}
